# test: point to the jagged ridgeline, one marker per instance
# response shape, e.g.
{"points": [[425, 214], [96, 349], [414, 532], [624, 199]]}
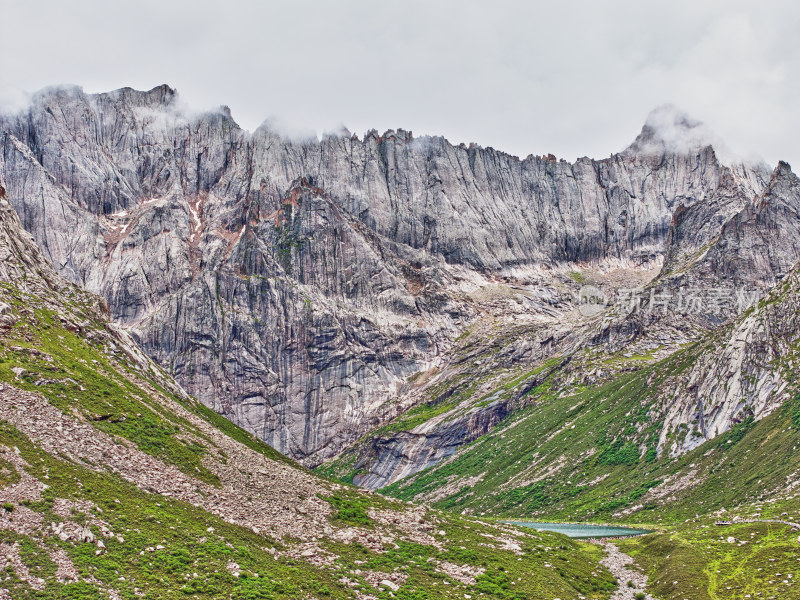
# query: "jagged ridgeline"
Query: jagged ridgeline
{"points": [[298, 286], [114, 483], [619, 388], [401, 313]]}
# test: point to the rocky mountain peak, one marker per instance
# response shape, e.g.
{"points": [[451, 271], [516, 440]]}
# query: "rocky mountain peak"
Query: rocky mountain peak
{"points": [[300, 314], [161, 96], [783, 173], [671, 130]]}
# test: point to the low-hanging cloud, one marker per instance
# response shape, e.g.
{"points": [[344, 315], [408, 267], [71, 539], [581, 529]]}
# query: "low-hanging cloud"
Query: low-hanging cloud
{"points": [[670, 129], [572, 79]]}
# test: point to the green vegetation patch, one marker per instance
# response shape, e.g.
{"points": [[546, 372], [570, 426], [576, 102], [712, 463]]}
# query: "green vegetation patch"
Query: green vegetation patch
{"points": [[8, 474], [350, 508], [71, 373], [702, 561]]}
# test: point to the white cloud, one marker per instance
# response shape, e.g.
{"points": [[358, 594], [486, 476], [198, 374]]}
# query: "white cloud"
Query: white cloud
{"points": [[668, 128], [526, 77]]}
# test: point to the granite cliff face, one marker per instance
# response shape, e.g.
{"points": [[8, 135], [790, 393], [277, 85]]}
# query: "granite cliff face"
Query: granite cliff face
{"points": [[296, 285], [723, 257], [710, 428], [746, 366], [115, 483]]}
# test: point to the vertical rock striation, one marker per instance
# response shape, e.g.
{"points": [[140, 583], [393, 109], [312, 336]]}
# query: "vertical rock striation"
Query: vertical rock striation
{"points": [[294, 285]]}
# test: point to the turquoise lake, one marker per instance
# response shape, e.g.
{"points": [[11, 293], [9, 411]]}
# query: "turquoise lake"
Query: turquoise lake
{"points": [[581, 531]]}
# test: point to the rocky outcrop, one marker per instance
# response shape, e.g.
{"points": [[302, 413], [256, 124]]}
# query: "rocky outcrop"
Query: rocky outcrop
{"points": [[409, 452], [759, 245], [295, 285], [19, 255], [103, 457], [743, 371], [722, 256]]}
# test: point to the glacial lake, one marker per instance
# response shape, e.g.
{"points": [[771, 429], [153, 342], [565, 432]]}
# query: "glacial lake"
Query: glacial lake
{"points": [[582, 531]]}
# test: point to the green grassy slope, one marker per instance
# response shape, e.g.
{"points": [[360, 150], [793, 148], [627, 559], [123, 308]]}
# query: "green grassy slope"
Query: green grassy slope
{"points": [[702, 561], [592, 455], [88, 428], [170, 549]]}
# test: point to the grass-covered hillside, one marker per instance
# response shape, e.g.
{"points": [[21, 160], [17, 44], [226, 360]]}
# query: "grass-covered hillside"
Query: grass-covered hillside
{"points": [[608, 452], [619, 449], [116, 484], [594, 455], [699, 560]]}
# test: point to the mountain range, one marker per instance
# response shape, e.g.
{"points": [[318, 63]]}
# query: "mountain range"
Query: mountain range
{"points": [[484, 335]]}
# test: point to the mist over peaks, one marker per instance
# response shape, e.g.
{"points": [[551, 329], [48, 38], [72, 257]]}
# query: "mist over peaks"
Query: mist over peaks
{"points": [[671, 130]]}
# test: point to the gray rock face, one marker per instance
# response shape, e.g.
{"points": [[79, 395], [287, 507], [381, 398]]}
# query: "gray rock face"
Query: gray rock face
{"points": [[295, 285], [721, 256], [19, 257], [409, 452], [746, 367], [761, 243], [744, 371]]}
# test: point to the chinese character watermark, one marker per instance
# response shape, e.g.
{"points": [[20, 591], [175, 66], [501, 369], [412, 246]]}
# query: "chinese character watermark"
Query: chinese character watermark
{"points": [[686, 301]]}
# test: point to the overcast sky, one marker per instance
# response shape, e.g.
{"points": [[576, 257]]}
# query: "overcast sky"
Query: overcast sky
{"points": [[575, 79]]}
